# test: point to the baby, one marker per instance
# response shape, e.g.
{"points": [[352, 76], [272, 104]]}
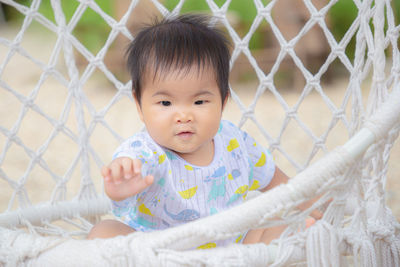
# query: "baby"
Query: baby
{"points": [[189, 163]]}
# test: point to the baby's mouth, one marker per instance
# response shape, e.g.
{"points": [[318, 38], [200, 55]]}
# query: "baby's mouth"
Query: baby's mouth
{"points": [[185, 134]]}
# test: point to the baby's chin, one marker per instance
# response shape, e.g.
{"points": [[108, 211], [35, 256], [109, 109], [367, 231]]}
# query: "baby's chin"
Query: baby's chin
{"points": [[182, 152], [180, 145], [179, 150]]}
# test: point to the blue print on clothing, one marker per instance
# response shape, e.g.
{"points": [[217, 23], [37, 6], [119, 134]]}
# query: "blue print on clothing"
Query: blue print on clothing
{"points": [[233, 198], [219, 172], [161, 182], [235, 174], [217, 190], [213, 211], [170, 155], [136, 143], [141, 223], [183, 216]]}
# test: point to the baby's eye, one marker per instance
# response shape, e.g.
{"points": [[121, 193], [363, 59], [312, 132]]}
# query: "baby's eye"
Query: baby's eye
{"points": [[199, 102], [165, 103]]}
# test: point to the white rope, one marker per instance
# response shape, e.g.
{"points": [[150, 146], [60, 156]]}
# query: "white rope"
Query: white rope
{"points": [[56, 211], [314, 179]]}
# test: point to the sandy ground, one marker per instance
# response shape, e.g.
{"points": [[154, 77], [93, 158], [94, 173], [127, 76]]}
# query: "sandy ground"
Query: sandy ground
{"points": [[33, 130]]}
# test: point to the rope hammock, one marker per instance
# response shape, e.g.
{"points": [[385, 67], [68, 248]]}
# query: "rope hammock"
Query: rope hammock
{"points": [[357, 227]]}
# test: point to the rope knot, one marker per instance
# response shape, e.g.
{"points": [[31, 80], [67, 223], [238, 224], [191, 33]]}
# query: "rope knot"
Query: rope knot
{"points": [[338, 114], [314, 82], [265, 12], [392, 34], [98, 117], [266, 81], [29, 103], [62, 30], [319, 143], [354, 238], [31, 13], [86, 2], [274, 145], [248, 113], [338, 50], [97, 61], [12, 137], [379, 231], [317, 16], [219, 14], [291, 113], [58, 126], [119, 26], [49, 69], [288, 47], [242, 45]]}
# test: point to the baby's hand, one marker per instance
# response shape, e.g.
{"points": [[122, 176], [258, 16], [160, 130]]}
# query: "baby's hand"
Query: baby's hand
{"points": [[123, 179]]}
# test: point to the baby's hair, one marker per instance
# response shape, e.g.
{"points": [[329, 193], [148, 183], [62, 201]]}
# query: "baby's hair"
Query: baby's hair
{"points": [[179, 43]]}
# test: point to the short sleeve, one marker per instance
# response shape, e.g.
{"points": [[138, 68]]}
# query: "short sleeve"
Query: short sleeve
{"points": [[261, 163]]}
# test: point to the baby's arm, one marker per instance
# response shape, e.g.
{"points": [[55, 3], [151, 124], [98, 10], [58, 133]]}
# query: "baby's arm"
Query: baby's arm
{"points": [[123, 178], [281, 178]]}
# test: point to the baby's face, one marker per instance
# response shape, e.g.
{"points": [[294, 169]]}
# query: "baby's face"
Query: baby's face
{"points": [[182, 112]]}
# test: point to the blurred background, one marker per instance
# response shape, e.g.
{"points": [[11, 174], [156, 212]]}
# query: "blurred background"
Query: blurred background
{"points": [[289, 16], [23, 74]]}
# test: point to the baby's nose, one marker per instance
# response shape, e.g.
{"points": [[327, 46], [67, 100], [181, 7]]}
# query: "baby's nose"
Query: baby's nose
{"points": [[184, 117]]}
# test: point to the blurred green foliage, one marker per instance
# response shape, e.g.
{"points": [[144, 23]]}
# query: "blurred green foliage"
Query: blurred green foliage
{"points": [[92, 30], [246, 10], [341, 16], [243, 11]]}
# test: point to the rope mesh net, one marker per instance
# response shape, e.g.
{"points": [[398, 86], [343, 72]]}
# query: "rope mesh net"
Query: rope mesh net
{"points": [[61, 122]]}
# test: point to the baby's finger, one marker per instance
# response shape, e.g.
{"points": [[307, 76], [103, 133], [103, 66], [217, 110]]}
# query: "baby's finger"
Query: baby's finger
{"points": [[127, 167], [142, 184], [149, 179], [137, 165], [116, 172], [105, 172]]}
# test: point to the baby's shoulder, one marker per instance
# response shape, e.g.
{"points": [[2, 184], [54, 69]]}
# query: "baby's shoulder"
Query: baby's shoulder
{"points": [[234, 137], [228, 130]]}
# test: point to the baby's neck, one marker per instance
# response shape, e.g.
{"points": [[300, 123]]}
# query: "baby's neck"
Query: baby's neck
{"points": [[202, 157]]}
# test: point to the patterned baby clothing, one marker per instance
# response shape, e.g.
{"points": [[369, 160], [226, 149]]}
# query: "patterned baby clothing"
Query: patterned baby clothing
{"points": [[183, 192]]}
